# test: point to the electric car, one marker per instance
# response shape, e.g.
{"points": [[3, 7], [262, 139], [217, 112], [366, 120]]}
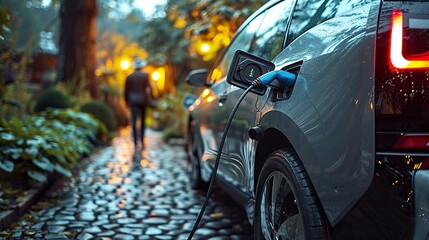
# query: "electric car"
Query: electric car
{"points": [[343, 151]]}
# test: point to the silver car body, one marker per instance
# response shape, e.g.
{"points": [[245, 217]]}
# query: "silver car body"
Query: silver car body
{"points": [[328, 119]]}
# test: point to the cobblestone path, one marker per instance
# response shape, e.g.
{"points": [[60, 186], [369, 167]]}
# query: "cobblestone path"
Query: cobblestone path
{"points": [[118, 196]]}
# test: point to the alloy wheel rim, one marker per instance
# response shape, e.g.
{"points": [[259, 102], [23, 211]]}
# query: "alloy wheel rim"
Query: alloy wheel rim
{"points": [[280, 217]]}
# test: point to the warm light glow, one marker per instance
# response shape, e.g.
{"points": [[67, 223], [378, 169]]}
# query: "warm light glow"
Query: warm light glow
{"points": [[180, 22], [156, 76], [145, 163], [396, 57], [205, 47], [125, 64], [222, 38], [125, 168], [205, 93], [210, 99], [418, 166], [98, 72], [109, 64], [216, 74]]}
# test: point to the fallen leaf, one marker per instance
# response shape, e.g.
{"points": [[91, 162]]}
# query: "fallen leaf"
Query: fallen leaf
{"points": [[216, 215], [29, 232]]}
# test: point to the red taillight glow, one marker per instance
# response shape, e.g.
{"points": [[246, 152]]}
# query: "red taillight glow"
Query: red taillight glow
{"points": [[412, 141], [396, 39]]}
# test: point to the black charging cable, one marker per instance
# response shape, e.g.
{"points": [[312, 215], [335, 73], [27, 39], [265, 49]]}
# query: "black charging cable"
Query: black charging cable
{"points": [[257, 84]]}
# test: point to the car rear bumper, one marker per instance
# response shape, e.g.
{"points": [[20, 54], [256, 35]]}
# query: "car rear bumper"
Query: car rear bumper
{"points": [[421, 205], [385, 211]]}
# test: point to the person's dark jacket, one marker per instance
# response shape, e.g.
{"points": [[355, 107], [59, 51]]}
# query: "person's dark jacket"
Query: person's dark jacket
{"points": [[137, 89]]}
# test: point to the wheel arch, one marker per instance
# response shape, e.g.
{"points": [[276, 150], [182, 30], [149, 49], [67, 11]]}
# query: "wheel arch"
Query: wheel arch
{"points": [[273, 140], [280, 131]]}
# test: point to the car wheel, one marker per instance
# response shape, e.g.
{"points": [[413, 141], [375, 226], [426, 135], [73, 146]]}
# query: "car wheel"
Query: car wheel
{"points": [[286, 204], [194, 169]]}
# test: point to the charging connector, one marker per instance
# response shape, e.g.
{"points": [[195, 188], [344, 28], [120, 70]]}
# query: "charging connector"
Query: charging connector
{"points": [[286, 79]]}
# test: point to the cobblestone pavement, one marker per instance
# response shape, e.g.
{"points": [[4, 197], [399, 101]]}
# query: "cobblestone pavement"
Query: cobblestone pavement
{"points": [[116, 196]]}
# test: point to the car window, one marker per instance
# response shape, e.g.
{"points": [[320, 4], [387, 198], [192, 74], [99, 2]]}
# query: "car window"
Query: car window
{"points": [[270, 37], [241, 41], [309, 13]]}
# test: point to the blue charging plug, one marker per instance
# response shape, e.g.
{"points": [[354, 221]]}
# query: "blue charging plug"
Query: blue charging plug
{"points": [[287, 79]]}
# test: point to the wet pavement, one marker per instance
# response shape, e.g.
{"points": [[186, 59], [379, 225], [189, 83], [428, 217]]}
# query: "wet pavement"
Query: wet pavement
{"points": [[116, 195]]}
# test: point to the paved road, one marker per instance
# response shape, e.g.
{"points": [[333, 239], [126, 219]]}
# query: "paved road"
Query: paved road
{"points": [[116, 196]]}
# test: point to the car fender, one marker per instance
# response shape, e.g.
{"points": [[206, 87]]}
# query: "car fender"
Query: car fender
{"points": [[329, 117]]}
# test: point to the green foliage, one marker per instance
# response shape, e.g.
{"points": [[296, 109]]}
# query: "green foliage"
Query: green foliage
{"points": [[75, 90], [168, 46], [120, 111], [51, 98], [102, 112], [14, 67], [14, 96], [183, 26], [203, 17], [92, 128], [30, 18], [48, 142], [123, 23], [172, 114]]}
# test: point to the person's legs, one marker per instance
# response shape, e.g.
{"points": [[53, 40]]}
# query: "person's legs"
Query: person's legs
{"points": [[134, 114], [142, 124]]}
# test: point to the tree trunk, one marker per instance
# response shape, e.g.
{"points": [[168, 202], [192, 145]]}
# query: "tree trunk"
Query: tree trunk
{"points": [[77, 45]]}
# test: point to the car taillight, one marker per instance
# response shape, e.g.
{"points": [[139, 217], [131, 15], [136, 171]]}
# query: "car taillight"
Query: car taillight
{"points": [[403, 30], [412, 142], [401, 93]]}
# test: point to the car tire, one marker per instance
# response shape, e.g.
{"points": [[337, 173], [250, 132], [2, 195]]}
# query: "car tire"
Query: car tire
{"points": [[194, 168], [293, 211]]}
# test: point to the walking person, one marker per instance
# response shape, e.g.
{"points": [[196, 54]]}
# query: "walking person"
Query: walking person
{"points": [[138, 93]]}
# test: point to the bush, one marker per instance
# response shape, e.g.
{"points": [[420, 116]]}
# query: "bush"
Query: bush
{"points": [[102, 112], [172, 115], [51, 98], [120, 113], [91, 127], [44, 143]]}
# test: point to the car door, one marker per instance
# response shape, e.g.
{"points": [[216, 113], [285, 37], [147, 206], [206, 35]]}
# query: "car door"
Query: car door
{"points": [[268, 42], [213, 112]]}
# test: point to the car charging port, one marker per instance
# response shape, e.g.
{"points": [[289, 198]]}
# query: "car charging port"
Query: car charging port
{"points": [[247, 69]]}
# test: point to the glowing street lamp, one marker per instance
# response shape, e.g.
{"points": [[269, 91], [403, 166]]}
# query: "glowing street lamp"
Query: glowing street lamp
{"points": [[156, 75], [125, 64], [205, 48]]}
